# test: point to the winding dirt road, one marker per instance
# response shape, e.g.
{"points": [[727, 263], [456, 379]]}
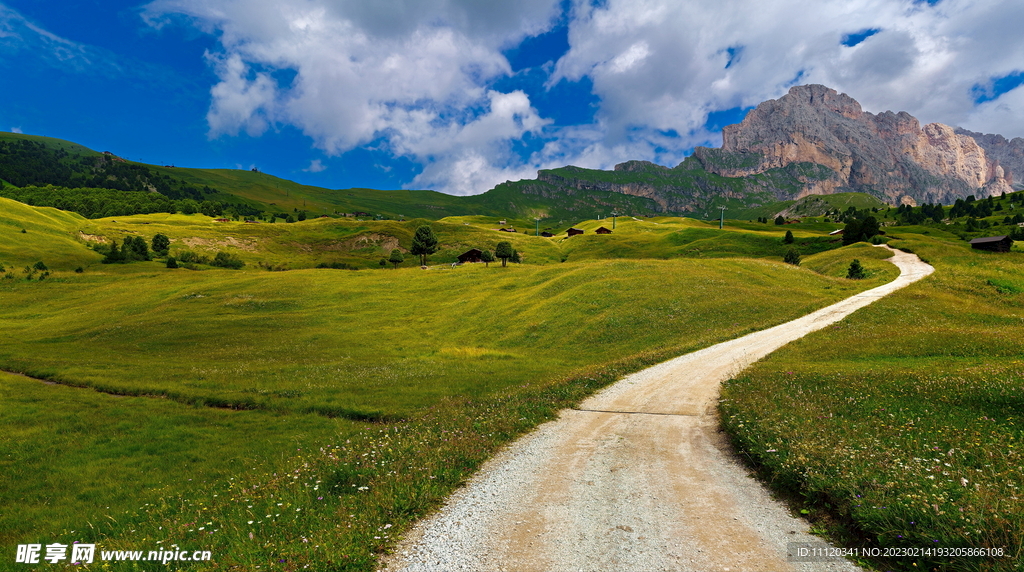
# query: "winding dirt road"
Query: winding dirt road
{"points": [[639, 477]]}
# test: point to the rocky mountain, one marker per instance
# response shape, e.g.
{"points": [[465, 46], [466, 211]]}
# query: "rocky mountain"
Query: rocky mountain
{"points": [[889, 155]]}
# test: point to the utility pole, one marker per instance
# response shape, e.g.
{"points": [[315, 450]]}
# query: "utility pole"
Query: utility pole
{"points": [[537, 218], [721, 221], [615, 213]]}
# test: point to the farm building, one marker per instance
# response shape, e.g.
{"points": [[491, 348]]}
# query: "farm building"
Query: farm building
{"points": [[993, 243], [573, 231], [221, 220], [603, 230], [546, 234], [509, 229], [471, 255], [835, 232]]}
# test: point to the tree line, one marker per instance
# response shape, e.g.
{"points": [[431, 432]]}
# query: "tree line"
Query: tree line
{"points": [[102, 202]]}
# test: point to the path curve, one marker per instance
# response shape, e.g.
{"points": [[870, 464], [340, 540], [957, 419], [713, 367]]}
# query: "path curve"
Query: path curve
{"points": [[639, 477]]}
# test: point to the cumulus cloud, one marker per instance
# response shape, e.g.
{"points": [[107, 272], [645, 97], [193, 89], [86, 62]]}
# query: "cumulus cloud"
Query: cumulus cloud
{"points": [[415, 77], [315, 166], [16, 130], [924, 59], [411, 73]]}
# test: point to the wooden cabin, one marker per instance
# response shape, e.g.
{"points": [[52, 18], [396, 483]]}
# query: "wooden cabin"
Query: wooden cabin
{"points": [[993, 243], [471, 255], [546, 234], [603, 230], [574, 231]]}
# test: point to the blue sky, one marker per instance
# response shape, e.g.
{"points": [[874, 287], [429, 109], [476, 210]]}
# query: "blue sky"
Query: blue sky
{"points": [[458, 95]]}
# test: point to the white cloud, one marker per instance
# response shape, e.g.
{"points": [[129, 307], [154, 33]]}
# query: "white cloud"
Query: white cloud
{"points": [[924, 60], [412, 73], [16, 130], [413, 76], [315, 166]]}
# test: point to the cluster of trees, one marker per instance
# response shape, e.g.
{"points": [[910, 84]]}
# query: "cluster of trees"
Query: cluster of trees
{"points": [[133, 249], [25, 163], [99, 203], [858, 230], [973, 207], [910, 215], [30, 163]]}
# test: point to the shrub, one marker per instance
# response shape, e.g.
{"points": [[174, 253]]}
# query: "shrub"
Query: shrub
{"points": [[171, 262], [189, 257], [161, 244], [792, 257], [789, 238], [780, 220], [856, 271], [78, 270], [227, 260], [383, 262]]}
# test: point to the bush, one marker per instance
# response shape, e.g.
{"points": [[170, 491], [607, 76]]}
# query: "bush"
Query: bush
{"points": [[40, 266], [780, 220], [78, 270], [789, 238], [171, 262], [227, 260], [189, 257], [792, 257], [856, 271], [161, 244]]}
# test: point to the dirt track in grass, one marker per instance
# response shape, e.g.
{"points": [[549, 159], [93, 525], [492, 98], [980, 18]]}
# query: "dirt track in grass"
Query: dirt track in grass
{"points": [[639, 477]]}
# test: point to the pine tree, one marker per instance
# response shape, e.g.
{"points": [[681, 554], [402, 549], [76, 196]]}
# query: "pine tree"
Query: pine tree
{"points": [[396, 258], [856, 271], [424, 243]]}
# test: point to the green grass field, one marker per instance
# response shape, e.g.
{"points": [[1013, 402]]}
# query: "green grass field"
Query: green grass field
{"points": [[901, 425], [285, 419]]}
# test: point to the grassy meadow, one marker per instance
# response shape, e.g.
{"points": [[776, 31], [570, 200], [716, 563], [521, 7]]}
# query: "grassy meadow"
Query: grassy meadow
{"points": [[901, 425], [308, 417]]}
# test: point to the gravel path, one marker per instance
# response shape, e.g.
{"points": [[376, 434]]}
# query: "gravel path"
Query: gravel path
{"points": [[639, 477]]}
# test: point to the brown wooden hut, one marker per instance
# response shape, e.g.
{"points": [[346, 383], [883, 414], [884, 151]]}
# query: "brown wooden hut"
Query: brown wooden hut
{"points": [[603, 230], [574, 231], [471, 255], [546, 234], [993, 243]]}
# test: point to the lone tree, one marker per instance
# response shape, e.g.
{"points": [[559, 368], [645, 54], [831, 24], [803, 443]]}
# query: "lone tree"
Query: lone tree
{"points": [[503, 250], [424, 243], [780, 220], [487, 258], [396, 258], [789, 238], [161, 244], [792, 257], [856, 271]]}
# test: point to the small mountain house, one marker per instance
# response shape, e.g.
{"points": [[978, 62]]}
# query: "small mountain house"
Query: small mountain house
{"points": [[471, 255], [993, 243], [603, 230]]}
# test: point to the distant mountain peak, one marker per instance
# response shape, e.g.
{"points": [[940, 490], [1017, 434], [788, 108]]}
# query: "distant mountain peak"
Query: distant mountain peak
{"points": [[889, 155]]}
